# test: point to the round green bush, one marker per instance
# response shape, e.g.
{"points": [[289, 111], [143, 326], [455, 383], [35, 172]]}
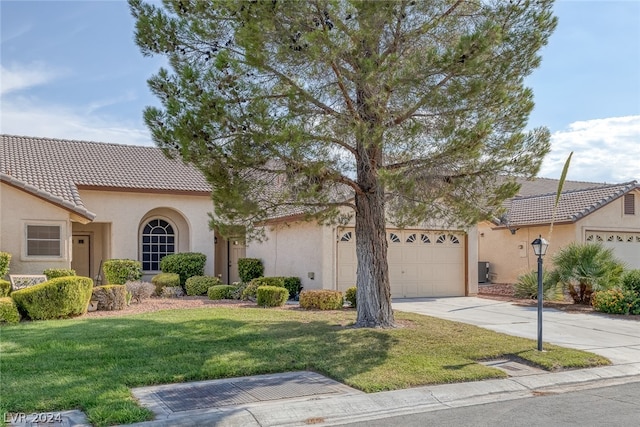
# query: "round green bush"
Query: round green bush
{"points": [[615, 301], [53, 273], [293, 285], [350, 296], [186, 264], [249, 269], [631, 280], [321, 299], [8, 311], [120, 271], [162, 280], [217, 292], [199, 285], [55, 298], [5, 260], [5, 288], [272, 296]]}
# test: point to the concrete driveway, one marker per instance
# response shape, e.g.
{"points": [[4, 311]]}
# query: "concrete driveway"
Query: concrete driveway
{"points": [[617, 339]]}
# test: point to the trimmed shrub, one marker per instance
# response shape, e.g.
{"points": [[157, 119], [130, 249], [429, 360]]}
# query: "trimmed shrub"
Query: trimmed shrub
{"points": [[110, 297], [221, 292], [172, 292], [631, 281], [250, 291], [8, 311], [350, 296], [52, 273], [199, 285], [5, 260], [616, 301], [249, 269], [272, 296], [55, 298], [162, 280], [120, 271], [294, 286], [321, 300], [140, 290], [5, 288], [186, 264], [527, 286]]}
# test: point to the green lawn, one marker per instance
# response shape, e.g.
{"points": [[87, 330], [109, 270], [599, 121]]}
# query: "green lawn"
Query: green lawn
{"points": [[91, 364]]}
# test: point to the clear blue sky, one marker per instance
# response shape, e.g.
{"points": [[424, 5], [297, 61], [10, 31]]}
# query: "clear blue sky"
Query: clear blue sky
{"points": [[70, 69]]}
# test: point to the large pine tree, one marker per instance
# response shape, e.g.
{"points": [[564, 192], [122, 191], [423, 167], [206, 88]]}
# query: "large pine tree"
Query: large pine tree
{"points": [[407, 111]]}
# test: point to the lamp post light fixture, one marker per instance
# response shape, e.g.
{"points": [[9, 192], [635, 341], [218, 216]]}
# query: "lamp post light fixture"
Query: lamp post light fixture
{"points": [[540, 246]]}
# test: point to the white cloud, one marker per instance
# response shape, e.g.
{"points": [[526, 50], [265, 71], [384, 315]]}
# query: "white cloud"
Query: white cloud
{"points": [[604, 150], [17, 76], [22, 116]]}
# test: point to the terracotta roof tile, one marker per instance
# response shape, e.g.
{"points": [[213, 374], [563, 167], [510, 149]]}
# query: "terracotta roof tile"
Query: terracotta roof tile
{"points": [[56, 168], [573, 205]]}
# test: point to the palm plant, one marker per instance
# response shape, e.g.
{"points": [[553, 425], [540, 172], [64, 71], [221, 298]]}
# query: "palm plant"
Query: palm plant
{"points": [[527, 286], [583, 268]]}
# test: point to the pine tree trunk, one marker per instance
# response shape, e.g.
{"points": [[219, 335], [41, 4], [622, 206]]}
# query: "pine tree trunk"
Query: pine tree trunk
{"points": [[373, 290]]}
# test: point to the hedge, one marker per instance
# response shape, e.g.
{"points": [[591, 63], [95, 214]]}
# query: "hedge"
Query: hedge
{"points": [[186, 264], [5, 288], [120, 271], [221, 292], [199, 285], [272, 296], [8, 311], [55, 298], [5, 259], [163, 280], [321, 300], [249, 269], [351, 296], [53, 273]]}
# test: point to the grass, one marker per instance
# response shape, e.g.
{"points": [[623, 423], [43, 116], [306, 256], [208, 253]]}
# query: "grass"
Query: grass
{"points": [[91, 364]]}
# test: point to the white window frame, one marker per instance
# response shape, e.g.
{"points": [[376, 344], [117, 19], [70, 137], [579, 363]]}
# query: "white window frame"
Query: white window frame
{"points": [[62, 225]]}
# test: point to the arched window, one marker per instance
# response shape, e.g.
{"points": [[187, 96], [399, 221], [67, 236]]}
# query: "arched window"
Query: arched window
{"points": [[158, 240]]}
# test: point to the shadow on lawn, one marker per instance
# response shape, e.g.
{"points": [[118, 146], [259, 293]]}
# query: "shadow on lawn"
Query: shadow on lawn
{"points": [[92, 364]]}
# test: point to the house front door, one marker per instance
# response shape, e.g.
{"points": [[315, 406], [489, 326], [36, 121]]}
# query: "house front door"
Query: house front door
{"points": [[81, 254], [237, 250]]}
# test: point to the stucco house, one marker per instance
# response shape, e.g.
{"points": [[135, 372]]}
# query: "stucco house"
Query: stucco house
{"points": [[587, 212], [424, 261], [73, 204]]}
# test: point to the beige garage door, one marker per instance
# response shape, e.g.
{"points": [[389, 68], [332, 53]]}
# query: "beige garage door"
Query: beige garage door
{"points": [[421, 263], [626, 246]]}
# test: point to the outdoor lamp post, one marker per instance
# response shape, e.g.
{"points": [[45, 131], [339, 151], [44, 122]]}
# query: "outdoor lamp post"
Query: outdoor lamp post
{"points": [[540, 246]]}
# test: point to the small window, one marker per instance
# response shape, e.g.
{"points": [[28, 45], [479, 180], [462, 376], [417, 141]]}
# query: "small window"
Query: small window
{"points": [[394, 238], [411, 238], [453, 239], [629, 204], [346, 237], [425, 238], [44, 240], [441, 238]]}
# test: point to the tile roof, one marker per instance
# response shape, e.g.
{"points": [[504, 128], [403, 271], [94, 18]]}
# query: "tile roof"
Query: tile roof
{"points": [[574, 204], [54, 169]]}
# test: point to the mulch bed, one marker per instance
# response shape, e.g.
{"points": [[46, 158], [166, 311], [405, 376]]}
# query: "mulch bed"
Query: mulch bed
{"points": [[504, 292]]}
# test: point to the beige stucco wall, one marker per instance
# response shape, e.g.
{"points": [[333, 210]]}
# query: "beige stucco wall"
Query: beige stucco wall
{"points": [[126, 211], [300, 248], [294, 249], [18, 208], [512, 255]]}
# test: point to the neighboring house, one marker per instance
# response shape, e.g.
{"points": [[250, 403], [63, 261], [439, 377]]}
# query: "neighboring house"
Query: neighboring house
{"points": [[74, 204], [423, 261], [587, 212]]}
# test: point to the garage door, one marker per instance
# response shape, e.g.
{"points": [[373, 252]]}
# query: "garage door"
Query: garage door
{"points": [[421, 263], [626, 246]]}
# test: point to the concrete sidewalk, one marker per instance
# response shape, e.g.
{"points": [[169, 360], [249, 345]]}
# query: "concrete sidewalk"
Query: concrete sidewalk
{"points": [[617, 339]]}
